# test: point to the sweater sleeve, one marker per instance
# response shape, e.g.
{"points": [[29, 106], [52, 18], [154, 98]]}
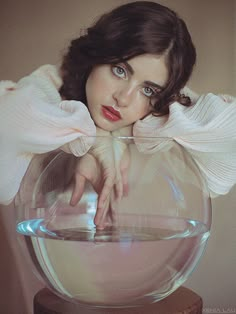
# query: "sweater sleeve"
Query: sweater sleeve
{"points": [[205, 130], [33, 122]]}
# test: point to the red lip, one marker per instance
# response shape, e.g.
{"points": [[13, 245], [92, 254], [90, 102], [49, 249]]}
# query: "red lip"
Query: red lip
{"points": [[110, 113]]}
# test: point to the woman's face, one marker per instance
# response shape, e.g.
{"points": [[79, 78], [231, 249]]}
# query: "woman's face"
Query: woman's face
{"points": [[120, 94]]}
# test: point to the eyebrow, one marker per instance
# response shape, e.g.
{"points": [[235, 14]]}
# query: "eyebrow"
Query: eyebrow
{"points": [[131, 70]]}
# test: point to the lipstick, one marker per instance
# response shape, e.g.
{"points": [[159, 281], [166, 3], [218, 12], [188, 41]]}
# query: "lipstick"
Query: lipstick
{"points": [[111, 113]]}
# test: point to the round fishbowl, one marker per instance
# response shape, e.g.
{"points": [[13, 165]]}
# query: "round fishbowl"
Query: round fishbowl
{"points": [[154, 227]]}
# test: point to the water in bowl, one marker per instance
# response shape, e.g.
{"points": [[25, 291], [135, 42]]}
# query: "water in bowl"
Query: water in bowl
{"points": [[131, 264]]}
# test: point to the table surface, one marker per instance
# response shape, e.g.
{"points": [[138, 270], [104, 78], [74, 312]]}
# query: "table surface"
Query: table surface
{"points": [[183, 300]]}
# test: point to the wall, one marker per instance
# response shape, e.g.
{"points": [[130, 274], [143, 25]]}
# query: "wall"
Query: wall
{"points": [[37, 32], [234, 32]]}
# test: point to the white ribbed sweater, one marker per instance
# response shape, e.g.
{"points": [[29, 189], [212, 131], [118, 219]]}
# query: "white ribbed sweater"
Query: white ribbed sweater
{"points": [[34, 119]]}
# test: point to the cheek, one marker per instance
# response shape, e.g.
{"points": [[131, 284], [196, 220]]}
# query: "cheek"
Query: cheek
{"points": [[90, 87], [141, 114], [141, 109], [136, 114], [97, 84]]}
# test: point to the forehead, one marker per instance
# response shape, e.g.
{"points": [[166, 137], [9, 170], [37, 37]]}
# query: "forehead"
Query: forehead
{"points": [[148, 67]]}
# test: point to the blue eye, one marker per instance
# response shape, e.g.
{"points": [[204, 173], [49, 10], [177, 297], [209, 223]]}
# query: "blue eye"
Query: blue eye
{"points": [[119, 71], [148, 91]]}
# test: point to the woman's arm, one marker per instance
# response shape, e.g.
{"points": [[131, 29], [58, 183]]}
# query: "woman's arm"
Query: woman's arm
{"points": [[32, 123], [205, 130]]}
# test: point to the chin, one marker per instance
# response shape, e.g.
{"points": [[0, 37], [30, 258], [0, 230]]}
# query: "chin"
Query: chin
{"points": [[107, 126]]}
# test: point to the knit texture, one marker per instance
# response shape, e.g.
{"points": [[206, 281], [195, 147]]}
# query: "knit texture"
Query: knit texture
{"points": [[35, 120], [206, 130]]}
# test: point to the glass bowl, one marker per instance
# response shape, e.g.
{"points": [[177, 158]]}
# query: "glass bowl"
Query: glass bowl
{"points": [[154, 236]]}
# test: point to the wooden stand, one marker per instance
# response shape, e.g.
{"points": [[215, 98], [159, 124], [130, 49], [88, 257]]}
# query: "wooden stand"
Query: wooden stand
{"points": [[183, 301]]}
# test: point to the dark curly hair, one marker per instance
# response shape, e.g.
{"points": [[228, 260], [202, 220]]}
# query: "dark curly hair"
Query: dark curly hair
{"points": [[127, 31]]}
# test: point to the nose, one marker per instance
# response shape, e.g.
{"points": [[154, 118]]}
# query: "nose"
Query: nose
{"points": [[123, 96]]}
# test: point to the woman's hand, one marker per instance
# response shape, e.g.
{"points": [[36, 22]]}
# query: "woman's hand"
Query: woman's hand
{"points": [[105, 166]]}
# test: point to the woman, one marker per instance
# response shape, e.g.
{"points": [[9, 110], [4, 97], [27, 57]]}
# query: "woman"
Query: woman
{"points": [[123, 74], [136, 61], [132, 62]]}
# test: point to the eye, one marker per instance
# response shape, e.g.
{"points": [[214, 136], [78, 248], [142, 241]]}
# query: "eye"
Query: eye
{"points": [[118, 71], [148, 91]]}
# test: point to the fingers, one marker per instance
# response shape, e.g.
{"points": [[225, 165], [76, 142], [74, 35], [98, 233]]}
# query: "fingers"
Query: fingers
{"points": [[124, 171], [107, 188], [78, 189], [125, 184], [115, 187], [119, 190], [101, 214], [106, 168], [112, 213], [107, 215], [110, 218]]}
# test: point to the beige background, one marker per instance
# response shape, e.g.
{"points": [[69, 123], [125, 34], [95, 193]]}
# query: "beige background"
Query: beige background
{"points": [[33, 33]]}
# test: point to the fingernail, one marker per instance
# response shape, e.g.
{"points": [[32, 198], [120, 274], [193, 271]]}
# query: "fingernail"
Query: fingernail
{"points": [[100, 227], [72, 203]]}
